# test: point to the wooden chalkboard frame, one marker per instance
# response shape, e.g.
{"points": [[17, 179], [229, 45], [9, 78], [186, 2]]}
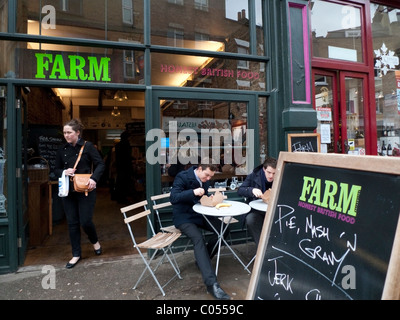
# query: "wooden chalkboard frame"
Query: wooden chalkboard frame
{"points": [[376, 164], [315, 136]]}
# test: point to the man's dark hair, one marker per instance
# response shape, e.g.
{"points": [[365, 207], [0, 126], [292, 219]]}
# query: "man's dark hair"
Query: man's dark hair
{"points": [[269, 162], [207, 163]]}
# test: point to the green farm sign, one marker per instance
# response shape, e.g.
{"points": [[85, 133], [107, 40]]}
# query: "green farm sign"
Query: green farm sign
{"points": [[72, 67]]}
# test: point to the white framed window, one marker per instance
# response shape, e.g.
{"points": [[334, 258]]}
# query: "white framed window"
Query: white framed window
{"points": [[243, 64], [180, 2], [129, 64], [127, 12], [71, 6], [242, 48], [175, 37], [201, 5], [64, 5], [198, 36]]}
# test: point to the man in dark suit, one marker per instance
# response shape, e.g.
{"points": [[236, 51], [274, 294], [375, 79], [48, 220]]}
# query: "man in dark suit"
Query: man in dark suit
{"points": [[253, 187], [188, 187]]}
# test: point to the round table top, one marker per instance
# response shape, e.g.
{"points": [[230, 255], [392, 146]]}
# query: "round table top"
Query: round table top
{"points": [[236, 208], [259, 204]]}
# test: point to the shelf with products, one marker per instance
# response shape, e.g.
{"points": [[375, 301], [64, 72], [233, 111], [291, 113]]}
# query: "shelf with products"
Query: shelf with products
{"points": [[389, 146]]}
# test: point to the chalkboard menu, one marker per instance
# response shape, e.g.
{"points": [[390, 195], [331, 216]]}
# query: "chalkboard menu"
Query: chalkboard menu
{"points": [[45, 141], [304, 142], [331, 231]]}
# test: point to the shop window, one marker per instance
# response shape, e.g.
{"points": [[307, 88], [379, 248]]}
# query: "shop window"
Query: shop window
{"points": [[3, 168], [198, 129], [336, 31], [89, 19], [385, 29], [263, 128], [56, 62], [225, 21], [3, 16], [195, 71]]}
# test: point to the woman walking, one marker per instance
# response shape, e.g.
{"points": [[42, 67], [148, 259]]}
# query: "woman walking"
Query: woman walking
{"points": [[79, 207]]}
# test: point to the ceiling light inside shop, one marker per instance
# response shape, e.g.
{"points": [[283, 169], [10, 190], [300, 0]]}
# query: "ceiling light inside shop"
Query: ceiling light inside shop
{"points": [[120, 96], [115, 112]]}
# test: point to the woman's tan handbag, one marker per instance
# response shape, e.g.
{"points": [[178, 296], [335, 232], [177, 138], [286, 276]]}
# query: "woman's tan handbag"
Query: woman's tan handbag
{"points": [[81, 180]]}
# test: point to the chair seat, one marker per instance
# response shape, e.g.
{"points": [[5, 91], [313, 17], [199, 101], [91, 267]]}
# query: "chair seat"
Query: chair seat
{"points": [[226, 220], [159, 241], [171, 229]]}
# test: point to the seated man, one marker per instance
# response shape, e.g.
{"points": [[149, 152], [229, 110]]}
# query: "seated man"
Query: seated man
{"points": [[253, 187], [188, 187]]}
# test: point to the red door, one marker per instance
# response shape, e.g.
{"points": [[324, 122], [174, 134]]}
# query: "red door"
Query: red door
{"points": [[341, 102]]}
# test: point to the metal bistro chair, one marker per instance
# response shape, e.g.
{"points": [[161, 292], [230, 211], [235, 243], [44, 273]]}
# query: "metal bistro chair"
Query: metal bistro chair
{"points": [[159, 202], [160, 241]]}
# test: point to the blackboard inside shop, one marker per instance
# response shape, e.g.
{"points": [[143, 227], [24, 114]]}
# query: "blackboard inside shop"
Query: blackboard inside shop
{"points": [[44, 141], [304, 142], [331, 230]]}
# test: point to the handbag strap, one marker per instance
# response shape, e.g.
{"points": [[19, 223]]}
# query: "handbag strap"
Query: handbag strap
{"points": [[79, 156]]}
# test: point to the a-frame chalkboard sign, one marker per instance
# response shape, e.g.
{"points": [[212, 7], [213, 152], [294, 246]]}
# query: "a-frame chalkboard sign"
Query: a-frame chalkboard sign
{"points": [[331, 230]]}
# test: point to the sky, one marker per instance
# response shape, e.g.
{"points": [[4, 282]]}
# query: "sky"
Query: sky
{"points": [[234, 6]]}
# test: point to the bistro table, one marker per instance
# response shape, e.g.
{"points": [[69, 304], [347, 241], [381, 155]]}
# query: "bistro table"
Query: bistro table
{"points": [[237, 208], [259, 205]]}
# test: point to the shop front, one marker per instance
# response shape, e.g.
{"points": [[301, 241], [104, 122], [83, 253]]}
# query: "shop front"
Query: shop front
{"points": [[226, 79]]}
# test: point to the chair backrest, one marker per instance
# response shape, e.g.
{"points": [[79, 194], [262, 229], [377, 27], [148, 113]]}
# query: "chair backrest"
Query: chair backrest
{"points": [[158, 202], [130, 217]]}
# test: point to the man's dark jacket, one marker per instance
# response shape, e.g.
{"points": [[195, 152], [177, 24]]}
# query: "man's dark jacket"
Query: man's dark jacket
{"points": [[183, 198], [256, 179]]}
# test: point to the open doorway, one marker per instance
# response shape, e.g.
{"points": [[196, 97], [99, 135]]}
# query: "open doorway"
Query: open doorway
{"points": [[107, 115]]}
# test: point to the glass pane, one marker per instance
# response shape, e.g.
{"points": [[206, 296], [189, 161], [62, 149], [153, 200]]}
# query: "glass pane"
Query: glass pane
{"points": [[386, 44], [259, 24], [3, 16], [197, 129], [324, 105], [216, 25], [190, 71], [355, 116], [3, 158], [336, 31], [62, 62], [263, 127], [89, 19]]}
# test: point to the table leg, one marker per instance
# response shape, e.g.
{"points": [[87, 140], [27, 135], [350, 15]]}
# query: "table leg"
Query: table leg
{"points": [[220, 239]]}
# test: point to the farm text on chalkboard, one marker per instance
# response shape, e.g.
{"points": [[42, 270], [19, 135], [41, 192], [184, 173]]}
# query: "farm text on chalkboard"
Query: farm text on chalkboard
{"points": [[331, 231], [304, 142]]}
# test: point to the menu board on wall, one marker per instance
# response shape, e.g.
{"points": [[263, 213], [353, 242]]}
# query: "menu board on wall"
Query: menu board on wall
{"points": [[331, 230], [304, 142], [45, 141]]}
